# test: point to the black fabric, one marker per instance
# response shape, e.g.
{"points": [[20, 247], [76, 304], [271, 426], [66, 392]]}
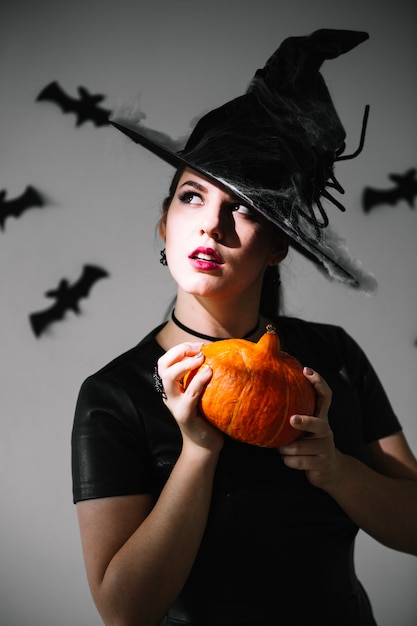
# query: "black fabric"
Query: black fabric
{"points": [[269, 533]]}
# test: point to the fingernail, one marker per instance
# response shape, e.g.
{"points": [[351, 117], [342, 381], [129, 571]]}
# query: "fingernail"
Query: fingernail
{"points": [[308, 371], [296, 419]]}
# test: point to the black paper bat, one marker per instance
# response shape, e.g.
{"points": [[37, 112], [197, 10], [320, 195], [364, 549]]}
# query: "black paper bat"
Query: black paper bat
{"points": [[405, 189], [85, 107], [67, 298], [17, 206]]}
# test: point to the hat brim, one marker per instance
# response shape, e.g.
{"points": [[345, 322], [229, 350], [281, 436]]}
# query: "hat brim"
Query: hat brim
{"points": [[319, 253]]}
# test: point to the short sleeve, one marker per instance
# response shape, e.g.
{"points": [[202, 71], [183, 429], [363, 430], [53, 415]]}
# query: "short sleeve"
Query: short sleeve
{"points": [[379, 418], [109, 450]]}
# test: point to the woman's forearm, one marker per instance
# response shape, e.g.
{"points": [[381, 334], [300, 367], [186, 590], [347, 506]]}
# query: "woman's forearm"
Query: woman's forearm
{"points": [[147, 573]]}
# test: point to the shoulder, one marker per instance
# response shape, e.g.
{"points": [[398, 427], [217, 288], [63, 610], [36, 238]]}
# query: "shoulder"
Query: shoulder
{"points": [[325, 347], [296, 330], [144, 352], [127, 374], [308, 326]]}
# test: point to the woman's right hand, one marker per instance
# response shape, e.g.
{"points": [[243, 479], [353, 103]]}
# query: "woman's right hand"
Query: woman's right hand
{"points": [[183, 403]]}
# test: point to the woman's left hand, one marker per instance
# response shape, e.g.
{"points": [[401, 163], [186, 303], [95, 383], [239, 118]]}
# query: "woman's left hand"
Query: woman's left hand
{"points": [[314, 452]]}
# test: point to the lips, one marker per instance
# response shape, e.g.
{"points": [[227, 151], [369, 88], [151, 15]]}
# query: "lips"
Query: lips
{"points": [[206, 254], [205, 259]]}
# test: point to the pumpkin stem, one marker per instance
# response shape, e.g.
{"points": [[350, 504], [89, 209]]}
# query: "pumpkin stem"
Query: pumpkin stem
{"points": [[269, 342]]}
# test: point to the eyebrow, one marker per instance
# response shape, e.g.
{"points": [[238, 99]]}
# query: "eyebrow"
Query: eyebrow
{"points": [[203, 189], [195, 184]]}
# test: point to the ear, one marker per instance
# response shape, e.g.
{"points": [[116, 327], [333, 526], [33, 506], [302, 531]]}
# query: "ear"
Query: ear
{"points": [[279, 251], [162, 227]]}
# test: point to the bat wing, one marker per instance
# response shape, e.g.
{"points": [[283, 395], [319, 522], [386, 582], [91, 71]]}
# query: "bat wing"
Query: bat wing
{"points": [[67, 298], [17, 206], [81, 289], [376, 197], [41, 320], [33, 197], [85, 107], [406, 189], [407, 185], [54, 93]]}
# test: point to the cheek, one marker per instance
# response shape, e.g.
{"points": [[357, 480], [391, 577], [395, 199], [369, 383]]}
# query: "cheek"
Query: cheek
{"points": [[176, 240], [169, 230], [258, 248], [173, 234]]}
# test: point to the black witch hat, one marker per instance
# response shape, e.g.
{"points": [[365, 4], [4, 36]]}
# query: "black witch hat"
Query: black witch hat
{"points": [[275, 147]]}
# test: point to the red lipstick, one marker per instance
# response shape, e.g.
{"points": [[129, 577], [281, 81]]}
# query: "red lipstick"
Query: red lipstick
{"points": [[205, 259]]}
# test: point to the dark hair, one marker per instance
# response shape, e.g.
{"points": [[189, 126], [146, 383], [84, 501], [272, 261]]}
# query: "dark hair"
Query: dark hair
{"points": [[171, 191], [270, 301]]}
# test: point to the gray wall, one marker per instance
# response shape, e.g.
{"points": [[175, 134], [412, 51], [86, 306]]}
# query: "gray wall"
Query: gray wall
{"points": [[103, 196]]}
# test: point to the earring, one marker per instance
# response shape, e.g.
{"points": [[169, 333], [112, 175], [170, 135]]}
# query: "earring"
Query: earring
{"points": [[163, 257], [277, 280]]}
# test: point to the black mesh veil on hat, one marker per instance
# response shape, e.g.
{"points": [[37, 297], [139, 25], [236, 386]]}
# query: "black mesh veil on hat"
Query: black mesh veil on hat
{"points": [[275, 147]]}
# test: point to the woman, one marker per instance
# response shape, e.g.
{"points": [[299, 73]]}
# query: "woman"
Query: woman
{"points": [[179, 523]]}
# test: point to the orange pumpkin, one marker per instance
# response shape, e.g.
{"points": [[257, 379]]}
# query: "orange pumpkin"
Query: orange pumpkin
{"points": [[254, 390]]}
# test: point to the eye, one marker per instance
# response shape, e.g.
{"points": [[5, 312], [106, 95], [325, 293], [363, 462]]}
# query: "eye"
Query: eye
{"points": [[190, 197], [243, 209]]}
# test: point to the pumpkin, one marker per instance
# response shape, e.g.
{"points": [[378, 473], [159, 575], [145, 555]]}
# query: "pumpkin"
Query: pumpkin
{"points": [[254, 390]]}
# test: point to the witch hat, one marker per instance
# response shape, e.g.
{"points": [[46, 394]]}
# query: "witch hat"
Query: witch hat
{"points": [[275, 147]]}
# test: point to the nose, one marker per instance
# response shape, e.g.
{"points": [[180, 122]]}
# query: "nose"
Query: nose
{"points": [[213, 220]]}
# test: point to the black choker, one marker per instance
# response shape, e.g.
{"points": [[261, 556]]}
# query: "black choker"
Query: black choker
{"points": [[208, 337]]}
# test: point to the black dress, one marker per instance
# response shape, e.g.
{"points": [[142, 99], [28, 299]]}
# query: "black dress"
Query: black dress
{"points": [[276, 550]]}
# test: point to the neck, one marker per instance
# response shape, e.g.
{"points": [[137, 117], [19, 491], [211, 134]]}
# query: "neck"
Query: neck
{"points": [[205, 337]]}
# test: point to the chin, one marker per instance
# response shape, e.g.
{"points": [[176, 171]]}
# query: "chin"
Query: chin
{"points": [[201, 286]]}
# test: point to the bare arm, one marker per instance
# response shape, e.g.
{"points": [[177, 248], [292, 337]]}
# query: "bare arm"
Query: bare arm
{"points": [[137, 563], [138, 554], [382, 501]]}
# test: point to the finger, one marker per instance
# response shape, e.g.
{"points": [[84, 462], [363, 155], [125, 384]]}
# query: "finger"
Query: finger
{"points": [[172, 370], [174, 375], [199, 382], [323, 392], [304, 462], [310, 445], [184, 403], [318, 426], [179, 352]]}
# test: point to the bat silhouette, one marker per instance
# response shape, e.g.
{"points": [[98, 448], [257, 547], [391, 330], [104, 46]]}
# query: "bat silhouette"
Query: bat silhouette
{"points": [[67, 298], [85, 107], [17, 206], [405, 189]]}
